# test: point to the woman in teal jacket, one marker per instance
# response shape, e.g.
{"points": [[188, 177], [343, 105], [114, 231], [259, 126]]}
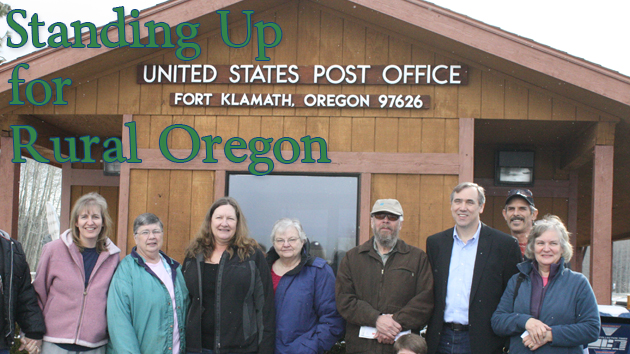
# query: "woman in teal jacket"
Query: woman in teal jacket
{"points": [[148, 298]]}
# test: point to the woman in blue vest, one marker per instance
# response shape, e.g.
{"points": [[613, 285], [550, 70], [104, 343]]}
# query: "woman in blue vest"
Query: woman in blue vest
{"points": [[307, 320]]}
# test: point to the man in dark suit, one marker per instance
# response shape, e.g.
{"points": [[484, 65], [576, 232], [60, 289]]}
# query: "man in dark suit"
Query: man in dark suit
{"points": [[471, 264]]}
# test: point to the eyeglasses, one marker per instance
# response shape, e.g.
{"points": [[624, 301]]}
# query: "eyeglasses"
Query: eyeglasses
{"points": [[146, 233], [291, 241], [390, 217]]}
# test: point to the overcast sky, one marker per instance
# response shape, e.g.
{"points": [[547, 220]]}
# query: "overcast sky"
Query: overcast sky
{"points": [[595, 31]]}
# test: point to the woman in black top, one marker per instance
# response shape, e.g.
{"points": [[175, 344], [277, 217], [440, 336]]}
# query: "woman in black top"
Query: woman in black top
{"points": [[230, 287]]}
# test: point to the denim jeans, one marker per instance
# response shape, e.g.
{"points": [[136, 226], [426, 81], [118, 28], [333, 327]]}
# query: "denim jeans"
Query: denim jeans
{"points": [[454, 342]]}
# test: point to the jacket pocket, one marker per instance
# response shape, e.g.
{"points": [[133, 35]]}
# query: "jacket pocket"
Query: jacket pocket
{"points": [[405, 271], [400, 274]]}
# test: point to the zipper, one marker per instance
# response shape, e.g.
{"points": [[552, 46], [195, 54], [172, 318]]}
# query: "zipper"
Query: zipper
{"points": [[170, 302], [217, 301], [85, 292], [545, 289], [380, 287], [76, 335]]}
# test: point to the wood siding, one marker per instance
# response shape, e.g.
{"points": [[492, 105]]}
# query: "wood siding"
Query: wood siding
{"points": [[314, 34]]}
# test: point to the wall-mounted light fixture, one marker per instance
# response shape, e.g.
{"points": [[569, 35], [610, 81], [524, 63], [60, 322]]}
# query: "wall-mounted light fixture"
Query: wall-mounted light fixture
{"points": [[514, 168], [111, 168]]}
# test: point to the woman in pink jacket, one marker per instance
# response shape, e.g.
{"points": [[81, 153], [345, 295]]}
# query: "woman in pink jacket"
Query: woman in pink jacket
{"points": [[72, 279]]}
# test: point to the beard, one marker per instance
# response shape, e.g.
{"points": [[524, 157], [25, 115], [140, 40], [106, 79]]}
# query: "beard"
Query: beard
{"points": [[386, 241]]}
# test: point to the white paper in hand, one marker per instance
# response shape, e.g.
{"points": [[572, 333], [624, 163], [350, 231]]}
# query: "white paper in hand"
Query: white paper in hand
{"points": [[370, 333], [367, 332]]}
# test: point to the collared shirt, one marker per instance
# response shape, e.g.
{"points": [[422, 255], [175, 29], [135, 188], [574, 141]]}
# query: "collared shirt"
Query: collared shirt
{"points": [[385, 256], [460, 275]]}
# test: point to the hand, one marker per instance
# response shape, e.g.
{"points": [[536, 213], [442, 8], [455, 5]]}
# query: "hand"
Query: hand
{"points": [[529, 343], [386, 326], [537, 330], [32, 346], [383, 339]]}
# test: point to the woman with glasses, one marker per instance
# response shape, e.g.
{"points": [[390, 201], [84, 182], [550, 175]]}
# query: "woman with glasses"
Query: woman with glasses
{"points": [[230, 286], [307, 320], [73, 276], [148, 299]]}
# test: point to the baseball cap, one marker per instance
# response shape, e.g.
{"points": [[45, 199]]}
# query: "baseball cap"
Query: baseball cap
{"points": [[523, 193], [387, 205]]}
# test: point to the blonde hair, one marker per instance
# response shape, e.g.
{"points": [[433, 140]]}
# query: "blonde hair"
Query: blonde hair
{"points": [[84, 203], [205, 242]]}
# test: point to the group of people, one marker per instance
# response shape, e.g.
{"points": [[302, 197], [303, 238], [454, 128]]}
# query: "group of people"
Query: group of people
{"points": [[227, 297], [479, 290], [475, 288]]}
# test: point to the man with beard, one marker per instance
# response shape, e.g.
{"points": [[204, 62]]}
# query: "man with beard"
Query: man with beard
{"points": [[384, 286], [519, 213], [472, 264]]}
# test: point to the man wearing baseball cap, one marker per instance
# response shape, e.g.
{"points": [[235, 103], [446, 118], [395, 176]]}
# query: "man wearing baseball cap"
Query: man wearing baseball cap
{"points": [[519, 213], [384, 286]]}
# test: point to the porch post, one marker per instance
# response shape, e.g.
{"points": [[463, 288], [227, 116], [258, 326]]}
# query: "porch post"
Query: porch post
{"points": [[66, 196], [9, 193], [365, 206], [466, 149], [576, 261], [601, 232], [123, 191]]}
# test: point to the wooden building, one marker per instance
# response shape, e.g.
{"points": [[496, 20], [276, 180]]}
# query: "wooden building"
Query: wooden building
{"points": [[519, 95]]}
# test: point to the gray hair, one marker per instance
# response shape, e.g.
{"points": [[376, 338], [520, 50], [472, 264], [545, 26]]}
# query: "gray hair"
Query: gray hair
{"points": [[283, 224], [550, 222], [481, 192], [146, 219]]}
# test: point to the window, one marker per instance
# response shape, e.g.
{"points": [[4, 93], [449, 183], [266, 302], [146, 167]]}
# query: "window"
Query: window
{"points": [[327, 207]]}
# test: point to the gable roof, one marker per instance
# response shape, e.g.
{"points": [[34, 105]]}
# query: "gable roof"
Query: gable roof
{"points": [[453, 33]]}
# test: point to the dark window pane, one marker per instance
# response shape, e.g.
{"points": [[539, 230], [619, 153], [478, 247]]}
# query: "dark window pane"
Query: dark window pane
{"points": [[325, 205]]}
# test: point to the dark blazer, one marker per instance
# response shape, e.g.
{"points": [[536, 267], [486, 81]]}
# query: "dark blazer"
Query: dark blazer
{"points": [[497, 256]]}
